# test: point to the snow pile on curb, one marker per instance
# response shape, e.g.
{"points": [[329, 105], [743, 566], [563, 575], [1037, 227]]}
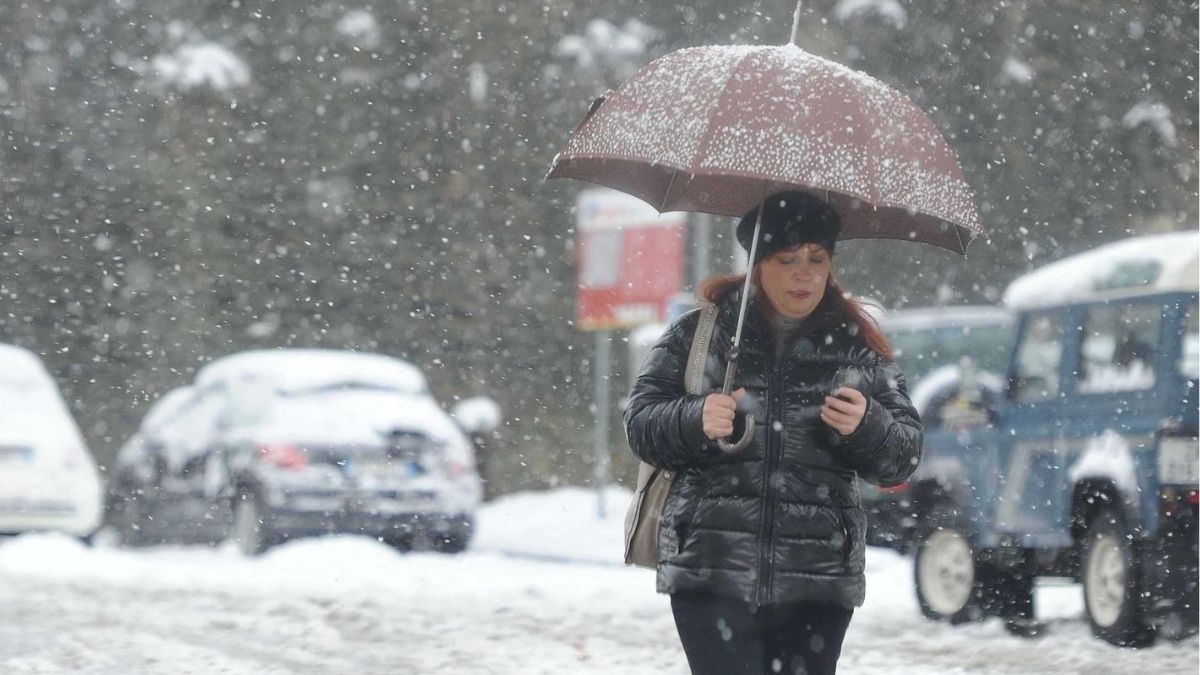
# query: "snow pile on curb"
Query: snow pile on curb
{"points": [[561, 524]]}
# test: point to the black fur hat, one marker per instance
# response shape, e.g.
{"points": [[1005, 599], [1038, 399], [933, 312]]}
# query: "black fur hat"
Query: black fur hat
{"points": [[790, 219]]}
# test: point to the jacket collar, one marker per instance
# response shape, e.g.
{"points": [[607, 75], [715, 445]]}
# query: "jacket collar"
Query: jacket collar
{"points": [[758, 336]]}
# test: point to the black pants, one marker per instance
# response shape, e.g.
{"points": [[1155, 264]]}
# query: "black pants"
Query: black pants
{"points": [[722, 636]]}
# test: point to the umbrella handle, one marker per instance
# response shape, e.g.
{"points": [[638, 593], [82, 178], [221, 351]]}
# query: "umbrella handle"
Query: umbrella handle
{"points": [[742, 443], [748, 433]]}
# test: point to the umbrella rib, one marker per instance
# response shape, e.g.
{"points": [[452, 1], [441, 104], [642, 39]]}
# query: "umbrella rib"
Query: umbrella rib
{"points": [[666, 196], [706, 139], [958, 233]]}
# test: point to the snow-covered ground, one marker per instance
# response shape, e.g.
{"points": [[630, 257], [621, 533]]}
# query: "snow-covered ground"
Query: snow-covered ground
{"points": [[540, 591]]}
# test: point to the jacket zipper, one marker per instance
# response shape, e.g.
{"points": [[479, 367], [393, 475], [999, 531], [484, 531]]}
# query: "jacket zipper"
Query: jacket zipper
{"points": [[774, 413]]}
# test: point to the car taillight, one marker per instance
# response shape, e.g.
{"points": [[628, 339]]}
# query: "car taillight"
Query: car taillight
{"points": [[455, 468], [1172, 499], [895, 489], [283, 456]]}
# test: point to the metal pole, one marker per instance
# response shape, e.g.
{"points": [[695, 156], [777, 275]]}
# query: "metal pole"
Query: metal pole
{"points": [[602, 367], [701, 264]]}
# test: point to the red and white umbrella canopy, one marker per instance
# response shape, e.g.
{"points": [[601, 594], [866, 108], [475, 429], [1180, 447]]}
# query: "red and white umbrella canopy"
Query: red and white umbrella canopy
{"points": [[717, 129]]}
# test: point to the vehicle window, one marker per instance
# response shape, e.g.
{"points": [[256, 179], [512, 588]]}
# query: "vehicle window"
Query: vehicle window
{"points": [[189, 431], [912, 351], [917, 352], [1189, 358], [1119, 349], [1038, 358], [988, 345]]}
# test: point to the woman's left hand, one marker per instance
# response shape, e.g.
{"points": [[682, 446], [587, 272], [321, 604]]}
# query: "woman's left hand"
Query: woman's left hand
{"points": [[844, 410]]}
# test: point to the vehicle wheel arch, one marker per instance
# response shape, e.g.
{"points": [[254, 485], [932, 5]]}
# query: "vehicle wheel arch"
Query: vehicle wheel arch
{"points": [[927, 489], [1091, 496], [244, 484], [931, 495]]}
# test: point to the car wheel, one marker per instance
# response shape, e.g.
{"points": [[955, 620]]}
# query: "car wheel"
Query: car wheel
{"points": [[451, 542], [456, 536], [130, 523], [248, 531], [946, 574], [1112, 583]]}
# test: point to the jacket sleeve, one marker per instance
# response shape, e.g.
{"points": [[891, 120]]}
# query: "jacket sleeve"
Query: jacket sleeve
{"points": [[663, 423], [886, 447]]}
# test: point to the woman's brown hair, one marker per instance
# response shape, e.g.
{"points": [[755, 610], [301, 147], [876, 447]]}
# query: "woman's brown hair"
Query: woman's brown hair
{"points": [[836, 307]]}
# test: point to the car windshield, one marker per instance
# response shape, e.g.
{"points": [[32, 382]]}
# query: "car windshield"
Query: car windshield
{"points": [[22, 400], [919, 351]]}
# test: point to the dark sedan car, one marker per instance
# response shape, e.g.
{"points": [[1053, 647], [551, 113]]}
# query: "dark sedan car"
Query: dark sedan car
{"points": [[274, 445]]}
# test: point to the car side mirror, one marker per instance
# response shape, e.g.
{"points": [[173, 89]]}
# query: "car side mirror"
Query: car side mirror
{"points": [[477, 415]]}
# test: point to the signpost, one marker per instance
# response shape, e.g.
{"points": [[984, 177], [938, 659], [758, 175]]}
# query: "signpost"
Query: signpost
{"points": [[629, 264]]}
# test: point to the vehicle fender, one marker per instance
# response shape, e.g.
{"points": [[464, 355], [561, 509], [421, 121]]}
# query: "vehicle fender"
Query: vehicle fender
{"points": [[1093, 494]]}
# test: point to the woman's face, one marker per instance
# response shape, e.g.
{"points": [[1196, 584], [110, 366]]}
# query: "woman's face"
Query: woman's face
{"points": [[794, 280]]}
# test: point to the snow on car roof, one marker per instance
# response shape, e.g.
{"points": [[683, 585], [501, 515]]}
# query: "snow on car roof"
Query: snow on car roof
{"points": [[20, 366], [165, 406], [351, 417], [951, 315], [300, 369], [1136, 266]]}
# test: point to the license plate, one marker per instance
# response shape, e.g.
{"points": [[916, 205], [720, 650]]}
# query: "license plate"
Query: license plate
{"points": [[16, 453], [372, 474], [1178, 460]]}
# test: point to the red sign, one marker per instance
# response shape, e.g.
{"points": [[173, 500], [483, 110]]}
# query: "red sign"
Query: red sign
{"points": [[629, 260]]}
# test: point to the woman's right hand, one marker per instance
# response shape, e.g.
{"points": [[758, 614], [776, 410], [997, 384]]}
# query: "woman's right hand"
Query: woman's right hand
{"points": [[718, 414]]}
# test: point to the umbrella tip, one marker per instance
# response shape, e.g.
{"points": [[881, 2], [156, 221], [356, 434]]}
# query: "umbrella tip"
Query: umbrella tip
{"points": [[796, 24]]}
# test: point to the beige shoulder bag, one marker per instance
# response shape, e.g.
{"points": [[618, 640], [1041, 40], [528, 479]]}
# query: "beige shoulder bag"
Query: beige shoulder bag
{"points": [[653, 483]]}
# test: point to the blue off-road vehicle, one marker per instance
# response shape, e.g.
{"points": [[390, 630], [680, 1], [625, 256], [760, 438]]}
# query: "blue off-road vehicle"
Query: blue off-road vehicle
{"points": [[1085, 464], [942, 351]]}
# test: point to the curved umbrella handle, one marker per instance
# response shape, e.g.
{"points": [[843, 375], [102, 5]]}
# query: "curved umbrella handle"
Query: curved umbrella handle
{"points": [[731, 362], [740, 445]]}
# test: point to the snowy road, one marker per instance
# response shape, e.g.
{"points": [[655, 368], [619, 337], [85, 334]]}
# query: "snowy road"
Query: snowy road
{"points": [[349, 605]]}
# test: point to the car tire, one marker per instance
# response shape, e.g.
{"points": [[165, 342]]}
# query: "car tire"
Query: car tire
{"points": [[453, 542], [1112, 582], [455, 538], [130, 523], [401, 542], [946, 570], [248, 531]]}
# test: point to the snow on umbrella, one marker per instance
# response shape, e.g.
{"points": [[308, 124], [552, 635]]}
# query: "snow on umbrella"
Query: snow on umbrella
{"points": [[718, 129]]}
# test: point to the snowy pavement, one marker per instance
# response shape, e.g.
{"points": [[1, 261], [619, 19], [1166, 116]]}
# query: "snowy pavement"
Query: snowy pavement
{"points": [[540, 591]]}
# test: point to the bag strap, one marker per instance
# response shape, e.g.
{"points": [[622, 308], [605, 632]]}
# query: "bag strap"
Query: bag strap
{"points": [[693, 377]]}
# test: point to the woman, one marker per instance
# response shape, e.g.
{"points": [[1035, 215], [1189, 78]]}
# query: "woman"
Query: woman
{"points": [[762, 551]]}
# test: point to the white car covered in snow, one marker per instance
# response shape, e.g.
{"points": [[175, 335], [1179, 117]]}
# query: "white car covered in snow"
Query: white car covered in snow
{"points": [[48, 479], [273, 445]]}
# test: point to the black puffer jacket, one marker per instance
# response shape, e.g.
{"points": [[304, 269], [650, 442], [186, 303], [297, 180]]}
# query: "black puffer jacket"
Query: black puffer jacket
{"points": [[781, 521]]}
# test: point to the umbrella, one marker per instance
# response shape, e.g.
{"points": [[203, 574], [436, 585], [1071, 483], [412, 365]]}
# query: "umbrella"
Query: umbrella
{"points": [[717, 129]]}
